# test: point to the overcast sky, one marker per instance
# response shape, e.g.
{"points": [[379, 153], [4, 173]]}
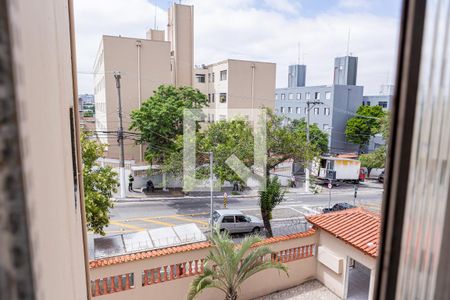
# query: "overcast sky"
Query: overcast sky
{"points": [[267, 30]]}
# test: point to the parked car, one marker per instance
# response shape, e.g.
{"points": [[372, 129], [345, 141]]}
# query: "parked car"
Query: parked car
{"points": [[381, 177], [234, 221], [338, 207]]}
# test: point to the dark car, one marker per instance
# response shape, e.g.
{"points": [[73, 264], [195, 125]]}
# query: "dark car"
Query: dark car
{"points": [[338, 207], [381, 177]]}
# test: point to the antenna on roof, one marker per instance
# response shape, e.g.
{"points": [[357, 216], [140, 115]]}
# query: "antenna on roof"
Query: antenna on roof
{"points": [[298, 54], [348, 41], [156, 11]]}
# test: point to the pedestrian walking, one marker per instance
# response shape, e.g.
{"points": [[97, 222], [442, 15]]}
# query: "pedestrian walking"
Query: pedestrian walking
{"points": [[293, 185], [130, 183]]}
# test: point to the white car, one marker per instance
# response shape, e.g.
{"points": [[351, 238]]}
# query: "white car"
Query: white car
{"points": [[234, 221]]}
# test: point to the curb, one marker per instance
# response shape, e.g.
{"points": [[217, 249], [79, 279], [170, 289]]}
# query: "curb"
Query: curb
{"points": [[177, 198]]}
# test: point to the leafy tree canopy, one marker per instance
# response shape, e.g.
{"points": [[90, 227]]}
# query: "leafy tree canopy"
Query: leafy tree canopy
{"points": [[375, 159], [364, 125], [99, 184], [318, 138], [225, 138], [160, 119]]}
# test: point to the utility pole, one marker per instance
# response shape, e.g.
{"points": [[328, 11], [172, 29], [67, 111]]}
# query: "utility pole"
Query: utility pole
{"points": [[120, 140], [308, 103], [211, 157]]}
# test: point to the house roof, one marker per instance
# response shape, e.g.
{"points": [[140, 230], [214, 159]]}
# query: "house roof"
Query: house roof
{"points": [[357, 227], [179, 249]]}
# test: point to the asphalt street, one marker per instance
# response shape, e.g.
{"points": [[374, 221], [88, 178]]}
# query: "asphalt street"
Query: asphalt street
{"points": [[138, 215]]}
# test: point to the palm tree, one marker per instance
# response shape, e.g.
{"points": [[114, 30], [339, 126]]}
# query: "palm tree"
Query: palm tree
{"points": [[227, 266], [268, 199]]}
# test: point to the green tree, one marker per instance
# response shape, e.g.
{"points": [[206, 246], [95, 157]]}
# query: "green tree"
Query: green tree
{"points": [[159, 121], [228, 266], [375, 159], [364, 125], [286, 142], [282, 143], [99, 184], [318, 138], [386, 126], [225, 138], [268, 199]]}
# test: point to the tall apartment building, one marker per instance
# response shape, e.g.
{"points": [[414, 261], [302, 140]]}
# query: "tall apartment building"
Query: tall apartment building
{"points": [[383, 99], [148, 63], [339, 102], [233, 85], [144, 64]]}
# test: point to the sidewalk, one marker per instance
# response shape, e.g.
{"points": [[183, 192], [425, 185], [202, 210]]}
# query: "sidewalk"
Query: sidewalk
{"points": [[177, 195]]}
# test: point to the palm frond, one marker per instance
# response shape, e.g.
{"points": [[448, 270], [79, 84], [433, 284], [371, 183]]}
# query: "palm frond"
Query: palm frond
{"points": [[228, 265]]}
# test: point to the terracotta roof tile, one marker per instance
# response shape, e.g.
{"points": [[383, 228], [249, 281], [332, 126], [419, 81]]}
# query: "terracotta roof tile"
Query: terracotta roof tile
{"points": [[357, 227], [184, 248]]}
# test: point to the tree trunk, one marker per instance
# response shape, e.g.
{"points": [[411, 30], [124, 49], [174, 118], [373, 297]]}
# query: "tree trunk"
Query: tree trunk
{"points": [[368, 172], [266, 220], [231, 295]]}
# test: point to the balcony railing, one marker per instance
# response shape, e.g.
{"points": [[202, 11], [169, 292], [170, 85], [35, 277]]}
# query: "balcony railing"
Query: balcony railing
{"points": [[174, 271]]}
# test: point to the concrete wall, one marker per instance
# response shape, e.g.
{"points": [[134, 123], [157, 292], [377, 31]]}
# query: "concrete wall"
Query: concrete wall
{"points": [[337, 282], [248, 88], [121, 54], [181, 37], [45, 92], [260, 284]]}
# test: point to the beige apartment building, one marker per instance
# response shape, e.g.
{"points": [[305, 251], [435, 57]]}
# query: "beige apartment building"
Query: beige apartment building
{"points": [[232, 85], [145, 64]]}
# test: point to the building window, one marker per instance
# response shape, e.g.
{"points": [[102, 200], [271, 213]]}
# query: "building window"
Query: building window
{"points": [[209, 77], [316, 110], [308, 95], [209, 98], [283, 96], [326, 111], [383, 104], [328, 95], [299, 96], [368, 103], [291, 96], [289, 110], [200, 78], [282, 109], [276, 96], [212, 77], [223, 97], [317, 95], [223, 75], [297, 110], [213, 96], [222, 117], [306, 110]]}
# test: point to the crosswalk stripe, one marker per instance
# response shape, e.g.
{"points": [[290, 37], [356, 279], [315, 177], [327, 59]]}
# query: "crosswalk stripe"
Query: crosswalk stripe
{"points": [[189, 220], [148, 220], [120, 224]]}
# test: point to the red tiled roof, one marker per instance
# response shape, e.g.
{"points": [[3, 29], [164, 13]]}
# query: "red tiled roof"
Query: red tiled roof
{"points": [[357, 227], [178, 249]]}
